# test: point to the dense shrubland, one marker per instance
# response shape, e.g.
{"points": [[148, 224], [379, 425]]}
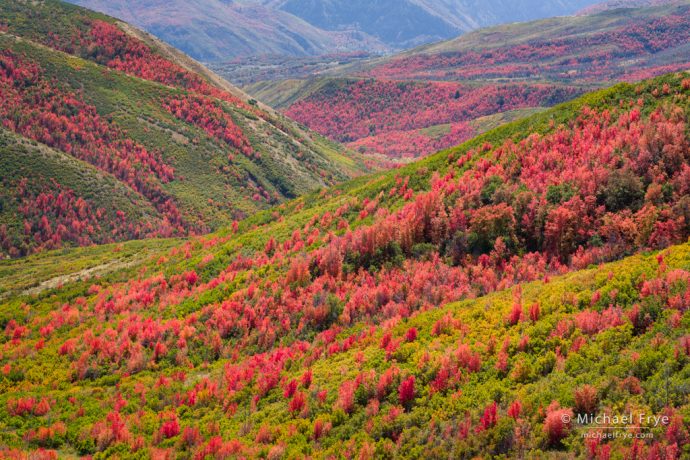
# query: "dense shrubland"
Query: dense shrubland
{"points": [[36, 109], [390, 117], [424, 311], [199, 155], [631, 49]]}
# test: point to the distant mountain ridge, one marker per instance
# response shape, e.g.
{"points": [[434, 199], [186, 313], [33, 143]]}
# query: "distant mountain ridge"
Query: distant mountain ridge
{"points": [[221, 30], [614, 4], [218, 30], [437, 95]]}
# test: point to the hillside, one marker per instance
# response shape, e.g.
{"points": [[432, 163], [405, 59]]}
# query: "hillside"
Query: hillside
{"points": [[417, 102], [403, 119], [456, 305], [221, 30], [613, 4], [34, 185], [411, 119], [621, 44], [403, 23], [179, 149]]}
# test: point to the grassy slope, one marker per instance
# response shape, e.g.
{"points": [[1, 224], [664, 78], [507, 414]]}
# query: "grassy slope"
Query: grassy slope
{"points": [[282, 94], [484, 124], [486, 314], [524, 33], [50, 270], [203, 192], [21, 159]]}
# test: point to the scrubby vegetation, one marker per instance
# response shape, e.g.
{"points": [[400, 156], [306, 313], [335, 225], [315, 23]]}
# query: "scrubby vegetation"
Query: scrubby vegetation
{"points": [[39, 213], [609, 46], [390, 118], [427, 311], [197, 153], [430, 98]]}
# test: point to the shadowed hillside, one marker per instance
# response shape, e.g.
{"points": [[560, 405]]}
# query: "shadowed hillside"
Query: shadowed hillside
{"points": [[189, 151]]}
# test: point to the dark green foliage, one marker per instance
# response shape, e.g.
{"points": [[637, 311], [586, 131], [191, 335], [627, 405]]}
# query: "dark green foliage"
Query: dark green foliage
{"points": [[624, 190], [557, 194]]}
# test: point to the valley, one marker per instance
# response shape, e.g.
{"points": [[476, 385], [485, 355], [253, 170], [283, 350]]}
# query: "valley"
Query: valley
{"points": [[479, 248], [539, 64]]}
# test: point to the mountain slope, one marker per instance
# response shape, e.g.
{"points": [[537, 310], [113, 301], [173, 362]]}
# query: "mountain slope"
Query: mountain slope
{"points": [[330, 325], [215, 30], [608, 46], [395, 118], [38, 181], [472, 14], [404, 22], [414, 103], [221, 30], [613, 4], [196, 149], [399, 23]]}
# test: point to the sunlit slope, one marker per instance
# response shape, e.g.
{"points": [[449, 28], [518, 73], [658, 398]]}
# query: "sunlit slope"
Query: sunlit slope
{"points": [[459, 304]]}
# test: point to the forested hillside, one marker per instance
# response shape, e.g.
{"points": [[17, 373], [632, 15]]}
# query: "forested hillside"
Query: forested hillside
{"points": [[460, 305], [87, 101], [412, 119], [621, 44], [417, 102]]}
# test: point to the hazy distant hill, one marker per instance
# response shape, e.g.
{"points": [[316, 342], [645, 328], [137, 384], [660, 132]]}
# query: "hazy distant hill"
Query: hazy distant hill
{"points": [[614, 4], [218, 30], [399, 23], [425, 99], [609, 45]]}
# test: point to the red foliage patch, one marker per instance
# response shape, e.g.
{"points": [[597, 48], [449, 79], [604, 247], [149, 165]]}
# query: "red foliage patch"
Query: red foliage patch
{"points": [[406, 391], [38, 109], [208, 115], [387, 116], [596, 57]]}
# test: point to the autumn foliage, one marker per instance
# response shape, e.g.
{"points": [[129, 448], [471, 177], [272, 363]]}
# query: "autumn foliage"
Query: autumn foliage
{"points": [[460, 306], [36, 108], [600, 55], [389, 117], [209, 116], [366, 282]]}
